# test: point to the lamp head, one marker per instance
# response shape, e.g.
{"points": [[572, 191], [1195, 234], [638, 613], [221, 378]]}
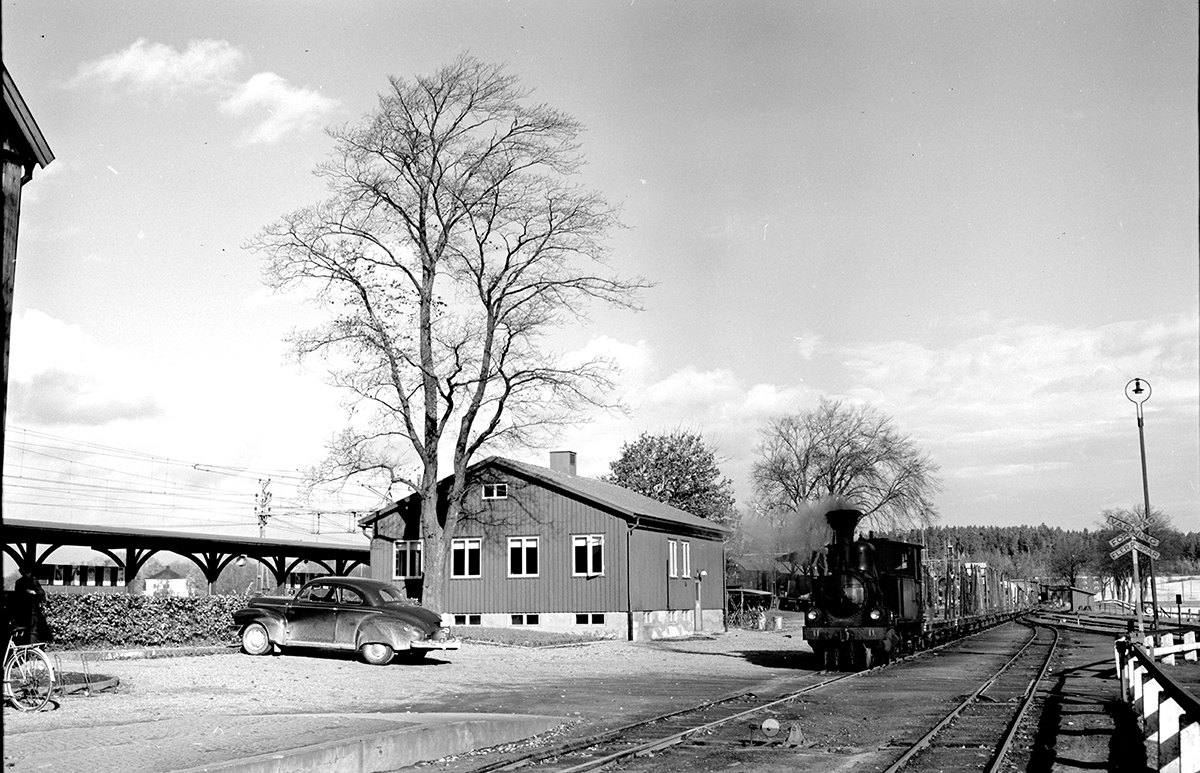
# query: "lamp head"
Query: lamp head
{"points": [[1138, 390]]}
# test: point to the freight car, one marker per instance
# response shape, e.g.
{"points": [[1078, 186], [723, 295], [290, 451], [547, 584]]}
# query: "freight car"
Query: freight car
{"points": [[879, 598]]}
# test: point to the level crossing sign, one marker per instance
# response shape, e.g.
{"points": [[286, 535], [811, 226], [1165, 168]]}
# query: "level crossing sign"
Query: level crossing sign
{"points": [[1134, 538]]}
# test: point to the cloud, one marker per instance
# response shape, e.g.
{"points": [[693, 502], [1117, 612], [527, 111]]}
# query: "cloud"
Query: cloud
{"points": [[1023, 418], [210, 66], [715, 403], [55, 398], [60, 376], [287, 107], [808, 344], [155, 67]]}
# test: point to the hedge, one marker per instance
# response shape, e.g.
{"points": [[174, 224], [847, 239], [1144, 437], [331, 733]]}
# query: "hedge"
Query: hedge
{"points": [[100, 621]]}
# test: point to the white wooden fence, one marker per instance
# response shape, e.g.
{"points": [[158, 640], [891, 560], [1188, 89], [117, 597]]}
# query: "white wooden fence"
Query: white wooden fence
{"points": [[1170, 715]]}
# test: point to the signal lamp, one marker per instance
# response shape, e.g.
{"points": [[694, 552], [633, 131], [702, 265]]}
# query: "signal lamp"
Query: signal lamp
{"points": [[875, 614]]}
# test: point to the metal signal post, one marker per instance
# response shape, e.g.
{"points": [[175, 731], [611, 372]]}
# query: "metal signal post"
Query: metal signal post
{"points": [[1138, 392]]}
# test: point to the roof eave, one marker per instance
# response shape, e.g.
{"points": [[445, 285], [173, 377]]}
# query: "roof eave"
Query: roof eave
{"points": [[525, 471], [26, 125]]}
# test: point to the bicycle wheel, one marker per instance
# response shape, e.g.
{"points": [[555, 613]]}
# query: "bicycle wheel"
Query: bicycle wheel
{"points": [[29, 677]]}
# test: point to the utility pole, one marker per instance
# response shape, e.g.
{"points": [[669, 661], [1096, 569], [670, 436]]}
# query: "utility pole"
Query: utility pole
{"points": [[262, 509]]}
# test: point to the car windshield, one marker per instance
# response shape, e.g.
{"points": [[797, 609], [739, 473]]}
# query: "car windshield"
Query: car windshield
{"points": [[392, 595]]}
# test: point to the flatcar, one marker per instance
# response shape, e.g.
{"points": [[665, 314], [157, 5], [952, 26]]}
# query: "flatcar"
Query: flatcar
{"points": [[870, 605]]}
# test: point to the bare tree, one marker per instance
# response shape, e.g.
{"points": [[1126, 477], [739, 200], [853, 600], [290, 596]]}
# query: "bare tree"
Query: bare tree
{"points": [[1071, 555], [453, 241], [852, 452]]}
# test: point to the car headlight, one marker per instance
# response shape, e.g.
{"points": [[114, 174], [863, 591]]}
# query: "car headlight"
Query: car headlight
{"points": [[875, 614]]}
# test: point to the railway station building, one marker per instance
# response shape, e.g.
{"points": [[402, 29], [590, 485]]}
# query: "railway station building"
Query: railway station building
{"points": [[546, 548]]}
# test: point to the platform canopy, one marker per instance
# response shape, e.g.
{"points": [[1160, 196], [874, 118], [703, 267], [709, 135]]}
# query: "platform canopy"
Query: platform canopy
{"points": [[31, 543]]}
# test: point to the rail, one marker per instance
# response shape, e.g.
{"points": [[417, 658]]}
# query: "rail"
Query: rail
{"points": [[974, 699], [1169, 714]]}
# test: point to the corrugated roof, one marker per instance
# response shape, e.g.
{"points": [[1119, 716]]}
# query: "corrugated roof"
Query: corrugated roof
{"points": [[615, 497], [608, 495]]}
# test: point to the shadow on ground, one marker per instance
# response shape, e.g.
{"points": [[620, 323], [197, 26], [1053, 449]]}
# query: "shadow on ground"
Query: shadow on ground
{"points": [[1084, 727]]}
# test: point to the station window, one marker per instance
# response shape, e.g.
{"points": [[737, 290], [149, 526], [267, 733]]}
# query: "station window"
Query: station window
{"points": [[588, 554], [594, 618], [465, 557], [672, 558], [522, 556], [495, 491], [525, 619], [468, 619], [408, 559]]}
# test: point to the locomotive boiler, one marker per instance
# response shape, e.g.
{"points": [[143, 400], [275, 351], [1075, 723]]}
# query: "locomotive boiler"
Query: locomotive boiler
{"points": [[870, 604]]}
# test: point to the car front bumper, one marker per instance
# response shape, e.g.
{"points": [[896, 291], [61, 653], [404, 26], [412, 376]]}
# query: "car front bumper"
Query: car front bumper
{"points": [[426, 644]]}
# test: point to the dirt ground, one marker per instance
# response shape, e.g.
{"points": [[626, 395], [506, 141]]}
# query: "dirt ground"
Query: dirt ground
{"points": [[179, 713], [593, 686]]}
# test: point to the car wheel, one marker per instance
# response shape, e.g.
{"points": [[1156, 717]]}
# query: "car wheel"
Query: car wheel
{"points": [[255, 640], [376, 654]]}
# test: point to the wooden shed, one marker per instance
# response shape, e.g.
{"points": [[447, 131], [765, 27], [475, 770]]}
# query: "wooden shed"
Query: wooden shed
{"points": [[547, 548]]}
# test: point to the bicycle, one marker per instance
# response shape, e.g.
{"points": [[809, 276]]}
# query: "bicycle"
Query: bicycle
{"points": [[28, 674]]}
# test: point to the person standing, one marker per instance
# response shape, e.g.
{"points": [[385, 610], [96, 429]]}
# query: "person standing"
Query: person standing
{"points": [[28, 613]]}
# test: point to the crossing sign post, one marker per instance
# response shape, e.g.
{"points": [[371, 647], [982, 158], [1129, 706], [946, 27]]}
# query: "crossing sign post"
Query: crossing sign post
{"points": [[1133, 539]]}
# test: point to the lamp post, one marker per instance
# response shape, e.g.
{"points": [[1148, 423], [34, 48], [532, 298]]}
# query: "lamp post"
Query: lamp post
{"points": [[1138, 391]]}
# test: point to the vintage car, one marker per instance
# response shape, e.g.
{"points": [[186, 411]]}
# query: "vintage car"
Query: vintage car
{"points": [[344, 613]]}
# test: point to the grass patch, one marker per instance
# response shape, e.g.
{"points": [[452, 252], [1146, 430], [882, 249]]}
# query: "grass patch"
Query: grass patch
{"points": [[524, 637]]}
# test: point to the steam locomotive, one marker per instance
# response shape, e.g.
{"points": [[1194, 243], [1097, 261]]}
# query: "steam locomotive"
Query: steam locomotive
{"points": [[870, 604]]}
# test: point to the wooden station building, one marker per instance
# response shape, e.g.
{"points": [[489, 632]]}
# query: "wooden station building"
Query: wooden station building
{"points": [[547, 548]]}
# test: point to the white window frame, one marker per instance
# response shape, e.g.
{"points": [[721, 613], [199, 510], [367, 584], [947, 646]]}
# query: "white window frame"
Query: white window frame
{"points": [[588, 542], [466, 544], [495, 491], [524, 543], [672, 558], [407, 546], [685, 569]]}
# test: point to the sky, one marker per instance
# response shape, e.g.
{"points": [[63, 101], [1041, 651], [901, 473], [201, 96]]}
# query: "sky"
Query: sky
{"points": [[979, 218]]}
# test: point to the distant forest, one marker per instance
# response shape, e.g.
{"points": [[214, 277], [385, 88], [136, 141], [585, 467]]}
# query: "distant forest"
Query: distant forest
{"points": [[1051, 553]]}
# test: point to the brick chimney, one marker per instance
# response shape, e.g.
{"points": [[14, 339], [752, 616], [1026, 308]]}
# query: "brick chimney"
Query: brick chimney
{"points": [[563, 461]]}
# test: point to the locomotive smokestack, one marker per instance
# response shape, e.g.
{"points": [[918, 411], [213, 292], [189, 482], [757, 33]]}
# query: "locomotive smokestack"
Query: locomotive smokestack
{"points": [[843, 522]]}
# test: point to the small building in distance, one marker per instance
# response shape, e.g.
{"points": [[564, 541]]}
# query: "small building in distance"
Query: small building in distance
{"points": [[167, 582], [546, 548]]}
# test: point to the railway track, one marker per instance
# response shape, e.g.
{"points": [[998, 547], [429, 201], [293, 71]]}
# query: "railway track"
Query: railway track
{"points": [[653, 735], [977, 733], [955, 707]]}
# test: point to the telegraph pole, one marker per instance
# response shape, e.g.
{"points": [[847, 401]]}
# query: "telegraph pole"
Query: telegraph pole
{"points": [[262, 509]]}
